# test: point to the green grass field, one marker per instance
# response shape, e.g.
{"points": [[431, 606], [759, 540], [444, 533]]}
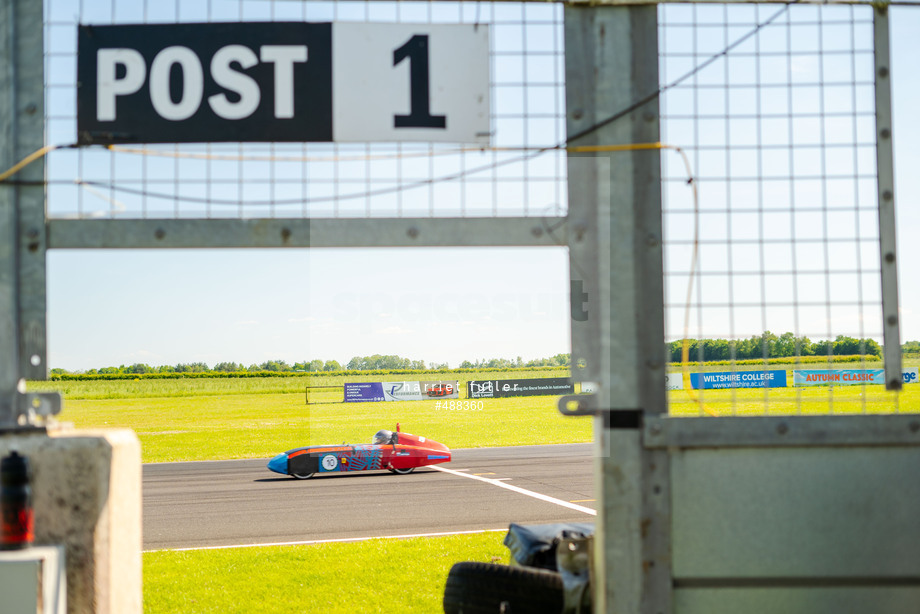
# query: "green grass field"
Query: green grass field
{"points": [[794, 401], [210, 427], [201, 419], [379, 575], [208, 419]]}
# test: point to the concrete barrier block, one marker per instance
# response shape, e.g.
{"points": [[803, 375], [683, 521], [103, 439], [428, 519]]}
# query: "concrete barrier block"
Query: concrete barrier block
{"points": [[86, 492]]}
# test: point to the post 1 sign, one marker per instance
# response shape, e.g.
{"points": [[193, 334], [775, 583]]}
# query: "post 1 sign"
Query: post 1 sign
{"points": [[213, 82], [181, 83]]}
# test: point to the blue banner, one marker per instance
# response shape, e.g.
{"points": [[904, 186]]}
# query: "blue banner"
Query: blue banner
{"points": [[739, 379], [837, 377], [364, 392]]}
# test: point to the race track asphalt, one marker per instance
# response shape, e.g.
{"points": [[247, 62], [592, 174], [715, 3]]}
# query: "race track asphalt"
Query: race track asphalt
{"points": [[240, 502]]}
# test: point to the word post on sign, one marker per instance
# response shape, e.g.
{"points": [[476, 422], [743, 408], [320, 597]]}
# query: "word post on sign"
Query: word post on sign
{"points": [[294, 82]]}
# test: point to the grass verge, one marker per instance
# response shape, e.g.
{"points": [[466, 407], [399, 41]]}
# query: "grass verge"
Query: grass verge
{"points": [[810, 401], [185, 420], [221, 418], [378, 575], [262, 425]]}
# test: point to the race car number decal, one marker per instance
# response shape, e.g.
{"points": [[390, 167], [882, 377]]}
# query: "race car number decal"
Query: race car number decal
{"points": [[330, 462]]}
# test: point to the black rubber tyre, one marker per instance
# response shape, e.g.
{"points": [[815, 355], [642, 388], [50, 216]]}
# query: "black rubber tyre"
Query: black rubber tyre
{"points": [[302, 476], [485, 588], [402, 471]]}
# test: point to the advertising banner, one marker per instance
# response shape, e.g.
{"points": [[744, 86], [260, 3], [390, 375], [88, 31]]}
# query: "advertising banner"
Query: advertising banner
{"points": [[369, 392], [739, 379], [674, 381], [420, 391], [910, 375], [363, 392], [488, 389], [837, 377]]}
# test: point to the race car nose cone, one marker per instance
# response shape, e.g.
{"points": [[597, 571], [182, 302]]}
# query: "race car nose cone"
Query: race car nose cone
{"points": [[279, 464]]}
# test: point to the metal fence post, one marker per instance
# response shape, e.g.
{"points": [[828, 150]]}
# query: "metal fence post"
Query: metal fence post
{"points": [[22, 207], [611, 65], [886, 211]]}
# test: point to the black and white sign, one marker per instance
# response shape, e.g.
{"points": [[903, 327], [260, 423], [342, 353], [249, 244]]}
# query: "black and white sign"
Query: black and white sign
{"points": [[488, 389], [213, 82], [409, 82]]}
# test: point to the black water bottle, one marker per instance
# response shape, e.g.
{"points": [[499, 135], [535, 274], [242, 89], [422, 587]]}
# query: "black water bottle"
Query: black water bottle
{"points": [[16, 503]]}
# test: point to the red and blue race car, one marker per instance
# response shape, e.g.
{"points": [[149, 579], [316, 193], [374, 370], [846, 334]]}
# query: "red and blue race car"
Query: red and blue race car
{"points": [[395, 451]]}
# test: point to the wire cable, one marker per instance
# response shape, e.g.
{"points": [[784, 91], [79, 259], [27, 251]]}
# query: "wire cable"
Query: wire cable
{"points": [[32, 157]]}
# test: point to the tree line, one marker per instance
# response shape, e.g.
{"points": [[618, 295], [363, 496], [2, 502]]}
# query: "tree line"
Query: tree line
{"points": [[769, 345], [559, 360], [140, 368], [757, 347], [358, 363], [375, 362]]}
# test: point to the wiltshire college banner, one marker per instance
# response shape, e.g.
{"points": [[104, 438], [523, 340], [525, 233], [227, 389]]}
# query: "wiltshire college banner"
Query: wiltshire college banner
{"points": [[369, 392], [487, 389], [739, 379]]}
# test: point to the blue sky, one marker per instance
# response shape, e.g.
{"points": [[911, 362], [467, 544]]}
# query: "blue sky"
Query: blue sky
{"points": [[438, 305]]}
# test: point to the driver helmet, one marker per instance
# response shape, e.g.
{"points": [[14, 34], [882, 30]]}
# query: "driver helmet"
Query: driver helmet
{"points": [[382, 437]]}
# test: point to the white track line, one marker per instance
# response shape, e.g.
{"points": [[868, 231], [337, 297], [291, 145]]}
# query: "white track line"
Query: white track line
{"points": [[523, 491], [330, 541]]}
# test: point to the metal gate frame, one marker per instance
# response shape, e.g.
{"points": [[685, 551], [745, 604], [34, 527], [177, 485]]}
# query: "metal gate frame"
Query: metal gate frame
{"points": [[658, 478]]}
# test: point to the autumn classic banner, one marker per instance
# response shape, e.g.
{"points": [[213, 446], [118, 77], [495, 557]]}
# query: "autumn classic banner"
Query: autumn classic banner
{"points": [[837, 377], [847, 377]]}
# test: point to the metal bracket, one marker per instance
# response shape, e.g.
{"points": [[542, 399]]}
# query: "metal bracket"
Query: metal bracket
{"points": [[588, 405], [579, 405], [30, 406]]}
